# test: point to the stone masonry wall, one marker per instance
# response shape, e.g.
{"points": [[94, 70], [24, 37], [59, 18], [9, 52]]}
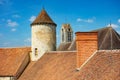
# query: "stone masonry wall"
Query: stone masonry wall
{"points": [[44, 39]]}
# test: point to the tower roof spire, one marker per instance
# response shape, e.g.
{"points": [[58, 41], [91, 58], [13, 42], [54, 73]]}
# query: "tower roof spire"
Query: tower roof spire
{"points": [[43, 18]]}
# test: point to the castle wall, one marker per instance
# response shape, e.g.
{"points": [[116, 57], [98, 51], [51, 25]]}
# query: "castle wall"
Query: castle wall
{"points": [[44, 39]]}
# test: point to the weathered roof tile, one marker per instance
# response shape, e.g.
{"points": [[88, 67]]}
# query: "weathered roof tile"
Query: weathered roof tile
{"points": [[13, 60], [104, 65], [43, 18]]}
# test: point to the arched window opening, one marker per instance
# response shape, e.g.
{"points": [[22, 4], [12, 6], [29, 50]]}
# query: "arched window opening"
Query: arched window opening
{"points": [[69, 29], [62, 35], [69, 37]]}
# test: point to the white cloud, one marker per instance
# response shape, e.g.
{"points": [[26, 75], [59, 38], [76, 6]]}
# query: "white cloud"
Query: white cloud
{"points": [[113, 25], [118, 20], [12, 23], [32, 18], [13, 30], [27, 40], [86, 20], [16, 16], [89, 20], [79, 20]]}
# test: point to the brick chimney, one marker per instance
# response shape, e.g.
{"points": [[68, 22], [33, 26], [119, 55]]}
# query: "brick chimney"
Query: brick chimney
{"points": [[86, 44]]}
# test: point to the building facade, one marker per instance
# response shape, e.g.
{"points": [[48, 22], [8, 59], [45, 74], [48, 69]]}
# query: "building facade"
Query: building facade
{"points": [[66, 33]]}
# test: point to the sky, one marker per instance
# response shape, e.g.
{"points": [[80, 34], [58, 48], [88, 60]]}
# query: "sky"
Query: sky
{"points": [[83, 15]]}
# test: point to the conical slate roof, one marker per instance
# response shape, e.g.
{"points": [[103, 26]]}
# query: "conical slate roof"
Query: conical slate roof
{"points": [[43, 18]]}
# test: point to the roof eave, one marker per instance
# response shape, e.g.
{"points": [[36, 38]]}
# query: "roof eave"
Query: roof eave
{"points": [[41, 23]]}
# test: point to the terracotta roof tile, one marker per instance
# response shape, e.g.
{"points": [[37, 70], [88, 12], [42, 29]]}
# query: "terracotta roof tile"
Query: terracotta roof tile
{"points": [[104, 65], [12, 59], [62, 66], [43, 18], [52, 66]]}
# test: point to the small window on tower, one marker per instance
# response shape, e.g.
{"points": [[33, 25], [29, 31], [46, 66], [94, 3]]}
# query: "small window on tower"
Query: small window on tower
{"points": [[36, 51]]}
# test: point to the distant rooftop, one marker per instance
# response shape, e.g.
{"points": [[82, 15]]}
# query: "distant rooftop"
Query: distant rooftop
{"points": [[108, 39]]}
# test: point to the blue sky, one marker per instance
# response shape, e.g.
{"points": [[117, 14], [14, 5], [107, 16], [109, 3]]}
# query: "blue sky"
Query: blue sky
{"points": [[83, 15]]}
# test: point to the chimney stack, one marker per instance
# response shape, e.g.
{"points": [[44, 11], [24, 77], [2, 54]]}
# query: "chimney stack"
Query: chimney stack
{"points": [[86, 44]]}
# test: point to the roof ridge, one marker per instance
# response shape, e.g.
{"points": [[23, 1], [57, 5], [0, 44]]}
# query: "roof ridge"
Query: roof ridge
{"points": [[103, 40], [72, 43], [87, 60], [114, 50], [100, 29]]}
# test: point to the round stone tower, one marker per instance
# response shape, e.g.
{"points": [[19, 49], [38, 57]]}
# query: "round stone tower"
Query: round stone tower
{"points": [[43, 35]]}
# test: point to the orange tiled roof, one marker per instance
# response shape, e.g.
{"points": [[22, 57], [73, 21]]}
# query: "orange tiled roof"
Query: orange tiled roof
{"points": [[104, 65], [43, 18], [13, 61], [62, 66], [52, 66]]}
